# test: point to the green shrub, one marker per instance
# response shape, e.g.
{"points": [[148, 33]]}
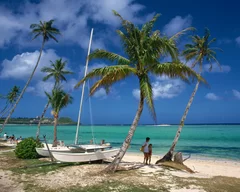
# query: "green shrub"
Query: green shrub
{"points": [[26, 148]]}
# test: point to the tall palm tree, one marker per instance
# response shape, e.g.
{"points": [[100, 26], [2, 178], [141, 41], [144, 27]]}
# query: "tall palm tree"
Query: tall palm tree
{"points": [[143, 48], [47, 32], [58, 100], [11, 98], [57, 71], [199, 51]]}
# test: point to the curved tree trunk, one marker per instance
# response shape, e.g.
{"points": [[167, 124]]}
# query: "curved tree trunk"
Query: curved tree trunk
{"points": [[169, 155], [6, 111], [115, 163], [55, 131], [43, 113], [24, 89], [40, 120]]}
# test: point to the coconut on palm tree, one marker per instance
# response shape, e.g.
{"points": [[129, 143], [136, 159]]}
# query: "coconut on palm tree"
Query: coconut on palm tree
{"points": [[199, 51], [143, 48], [11, 98], [46, 31], [58, 72], [58, 100]]}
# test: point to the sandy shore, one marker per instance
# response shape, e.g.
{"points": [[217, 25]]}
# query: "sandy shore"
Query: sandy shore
{"points": [[205, 167], [89, 176]]}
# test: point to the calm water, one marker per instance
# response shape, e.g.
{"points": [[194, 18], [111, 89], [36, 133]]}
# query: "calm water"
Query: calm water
{"points": [[221, 141]]}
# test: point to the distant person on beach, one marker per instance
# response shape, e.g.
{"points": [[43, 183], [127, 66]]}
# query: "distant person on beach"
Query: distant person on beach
{"points": [[5, 136], [149, 153], [103, 143], [146, 150]]}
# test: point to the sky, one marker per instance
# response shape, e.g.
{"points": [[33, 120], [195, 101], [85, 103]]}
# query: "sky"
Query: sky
{"points": [[218, 103]]}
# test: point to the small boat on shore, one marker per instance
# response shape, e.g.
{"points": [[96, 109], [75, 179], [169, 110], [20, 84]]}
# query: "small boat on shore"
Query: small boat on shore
{"points": [[84, 157], [43, 151]]}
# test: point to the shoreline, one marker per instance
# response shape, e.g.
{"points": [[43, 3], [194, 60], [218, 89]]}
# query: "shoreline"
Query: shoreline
{"points": [[204, 167], [193, 156]]}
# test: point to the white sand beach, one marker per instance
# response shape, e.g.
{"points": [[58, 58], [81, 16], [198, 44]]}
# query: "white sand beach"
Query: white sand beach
{"points": [[204, 167], [154, 177]]}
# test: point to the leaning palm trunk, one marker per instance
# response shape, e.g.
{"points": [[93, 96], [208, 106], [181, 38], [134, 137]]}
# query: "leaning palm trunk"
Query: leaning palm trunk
{"points": [[24, 89], [114, 165], [41, 118], [5, 111], [55, 131], [169, 155]]}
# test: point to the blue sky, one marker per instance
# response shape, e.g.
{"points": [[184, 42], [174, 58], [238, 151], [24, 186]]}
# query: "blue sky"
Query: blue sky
{"points": [[218, 104]]}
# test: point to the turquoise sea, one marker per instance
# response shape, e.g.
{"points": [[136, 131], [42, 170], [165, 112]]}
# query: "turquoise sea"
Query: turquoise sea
{"points": [[221, 141]]}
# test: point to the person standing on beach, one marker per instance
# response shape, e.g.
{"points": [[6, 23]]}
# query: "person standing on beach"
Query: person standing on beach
{"points": [[146, 150], [5, 136], [149, 153]]}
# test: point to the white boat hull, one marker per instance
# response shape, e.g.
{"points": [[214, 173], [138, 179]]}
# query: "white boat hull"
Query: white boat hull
{"points": [[75, 149], [45, 153], [84, 157]]}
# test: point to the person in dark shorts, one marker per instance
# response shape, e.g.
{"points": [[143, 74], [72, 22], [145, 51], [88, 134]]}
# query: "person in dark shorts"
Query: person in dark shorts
{"points": [[146, 150], [149, 153]]}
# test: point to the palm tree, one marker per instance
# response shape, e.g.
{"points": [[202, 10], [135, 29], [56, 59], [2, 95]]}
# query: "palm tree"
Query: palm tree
{"points": [[198, 51], [143, 48], [46, 31], [58, 100], [11, 98], [57, 71]]}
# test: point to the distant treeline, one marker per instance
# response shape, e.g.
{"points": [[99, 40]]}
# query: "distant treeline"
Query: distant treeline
{"points": [[28, 120]]}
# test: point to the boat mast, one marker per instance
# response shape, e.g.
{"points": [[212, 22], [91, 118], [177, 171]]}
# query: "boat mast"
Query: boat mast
{"points": [[81, 101]]}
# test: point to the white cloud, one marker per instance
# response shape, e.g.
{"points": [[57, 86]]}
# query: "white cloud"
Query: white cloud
{"points": [[164, 87], [216, 69], [41, 86], [238, 40], [236, 93], [71, 16], [101, 93], [212, 96], [21, 66], [177, 24]]}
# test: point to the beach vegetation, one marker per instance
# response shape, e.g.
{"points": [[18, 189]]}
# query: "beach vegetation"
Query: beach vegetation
{"points": [[58, 100], [46, 31], [58, 72], [26, 149], [143, 48], [10, 98], [197, 52]]}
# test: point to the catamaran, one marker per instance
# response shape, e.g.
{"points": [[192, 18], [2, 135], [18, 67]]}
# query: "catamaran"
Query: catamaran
{"points": [[76, 152]]}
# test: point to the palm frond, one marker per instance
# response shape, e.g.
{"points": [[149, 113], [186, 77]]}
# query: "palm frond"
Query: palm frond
{"points": [[108, 75], [36, 36], [176, 70], [147, 28], [146, 90], [54, 38], [180, 33], [102, 54]]}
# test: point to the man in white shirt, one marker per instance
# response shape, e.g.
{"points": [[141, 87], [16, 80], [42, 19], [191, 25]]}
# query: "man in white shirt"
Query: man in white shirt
{"points": [[5, 136], [146, 150]]}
